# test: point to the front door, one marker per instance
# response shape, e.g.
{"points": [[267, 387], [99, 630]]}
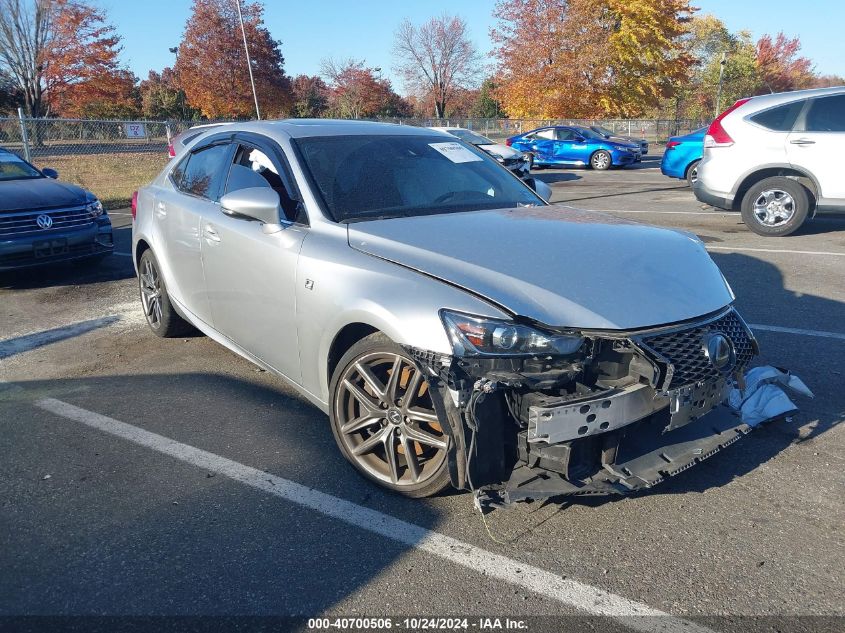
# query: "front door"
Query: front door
{"points": [[815, 145], [251, 275]]}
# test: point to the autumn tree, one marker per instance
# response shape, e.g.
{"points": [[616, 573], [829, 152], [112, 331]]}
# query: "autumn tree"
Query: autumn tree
{"points": [[583, 58], [780, 67], [63, 55], [485, 104], [437, 58], [213, 62], [82, 72], [828, 81], [356, 93], [310, 96], [163, 98]]}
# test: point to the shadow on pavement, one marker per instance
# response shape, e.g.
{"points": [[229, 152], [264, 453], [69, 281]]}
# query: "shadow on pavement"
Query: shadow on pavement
{"points": [[120, 529]]}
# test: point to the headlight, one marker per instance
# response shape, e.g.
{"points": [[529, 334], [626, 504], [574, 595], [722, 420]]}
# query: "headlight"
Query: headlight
{"points": [[471, 335], [95, 208]]}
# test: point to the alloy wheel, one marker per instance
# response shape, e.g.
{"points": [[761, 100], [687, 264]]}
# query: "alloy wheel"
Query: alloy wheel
{"points": [[386, 421], [774, 207], [150, 283], [601, 160]]}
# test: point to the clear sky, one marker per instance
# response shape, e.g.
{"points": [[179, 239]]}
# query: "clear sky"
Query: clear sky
{"points": [[363, 29]]}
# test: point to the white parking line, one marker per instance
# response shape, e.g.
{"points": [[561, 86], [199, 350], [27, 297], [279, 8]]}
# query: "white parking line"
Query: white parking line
{"points": [[795, 330], [565, 590], [772, 250]]}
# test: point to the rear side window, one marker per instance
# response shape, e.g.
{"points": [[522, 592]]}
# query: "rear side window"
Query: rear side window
{"points": [[827, 114], [548, 133], [781, 118], [204, 173]]}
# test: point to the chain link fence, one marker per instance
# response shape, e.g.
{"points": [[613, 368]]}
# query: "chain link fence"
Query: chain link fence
{"points": [[113, 158]]}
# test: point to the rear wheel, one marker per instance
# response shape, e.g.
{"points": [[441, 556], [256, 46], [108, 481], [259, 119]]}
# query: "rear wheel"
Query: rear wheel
{"points": [[692, 173], [775, 206], [161, 317], [383, 419], [601, 160]]}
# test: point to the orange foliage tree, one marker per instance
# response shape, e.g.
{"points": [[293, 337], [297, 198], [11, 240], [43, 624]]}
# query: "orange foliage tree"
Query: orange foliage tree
{"points": [[355, 92], [212, 66], [63, 56], [779, 65], [586, 58]]}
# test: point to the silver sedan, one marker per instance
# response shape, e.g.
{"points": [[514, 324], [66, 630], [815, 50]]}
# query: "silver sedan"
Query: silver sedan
{"points": [[455, 327]]}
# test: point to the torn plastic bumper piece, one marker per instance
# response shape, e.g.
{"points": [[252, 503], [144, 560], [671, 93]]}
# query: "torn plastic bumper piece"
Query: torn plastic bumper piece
{"points": [[645, 458]]}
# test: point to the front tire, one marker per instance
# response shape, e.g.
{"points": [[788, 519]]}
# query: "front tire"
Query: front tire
{"points": [[775, 207], [158, 310], [384, 422], [601, 160]]}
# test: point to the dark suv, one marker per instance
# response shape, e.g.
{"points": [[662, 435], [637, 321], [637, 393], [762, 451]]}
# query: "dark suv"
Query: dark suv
{"points": [[43, 221]]}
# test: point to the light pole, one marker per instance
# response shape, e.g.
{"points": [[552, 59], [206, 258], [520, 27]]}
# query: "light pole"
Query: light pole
{"points": [[180, 94], [248, 61], [719, 92]]}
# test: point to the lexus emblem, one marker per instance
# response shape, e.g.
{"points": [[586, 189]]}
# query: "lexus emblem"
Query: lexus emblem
{"points": [[44, 221], [394, 416], [720, 351]]}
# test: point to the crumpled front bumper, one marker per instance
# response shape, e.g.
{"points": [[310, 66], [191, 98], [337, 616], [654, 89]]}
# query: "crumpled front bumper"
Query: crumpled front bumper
{"points": [[644, 458]]}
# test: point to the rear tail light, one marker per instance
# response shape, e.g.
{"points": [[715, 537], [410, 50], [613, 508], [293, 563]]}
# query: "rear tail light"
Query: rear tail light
{"points": [[171, 151], [672, 144], [716, 135], [134, 204], [508, 141]]}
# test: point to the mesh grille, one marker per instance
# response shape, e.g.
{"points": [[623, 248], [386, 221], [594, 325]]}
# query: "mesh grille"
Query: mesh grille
{"points": [[684, 349]]}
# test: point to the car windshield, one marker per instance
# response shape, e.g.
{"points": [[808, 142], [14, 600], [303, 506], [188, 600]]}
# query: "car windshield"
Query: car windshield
{"points": [[12, 167], [469, 136], [603, 131], [363, 177]]}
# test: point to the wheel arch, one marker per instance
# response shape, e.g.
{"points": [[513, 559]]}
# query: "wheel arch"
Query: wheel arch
{"points": [[343, 341], [786, 171]]}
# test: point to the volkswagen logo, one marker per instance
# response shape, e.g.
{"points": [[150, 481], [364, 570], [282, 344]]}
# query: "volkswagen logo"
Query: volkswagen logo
{"points": [[719, 351], [44, 221]]}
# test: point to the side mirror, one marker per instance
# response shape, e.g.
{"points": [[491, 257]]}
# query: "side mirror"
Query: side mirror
{"points": [[257, 203], [539, 187], [50, 173]]}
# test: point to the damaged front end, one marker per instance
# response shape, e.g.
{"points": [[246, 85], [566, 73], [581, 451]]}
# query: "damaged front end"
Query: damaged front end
{"points": [[534, 414]]}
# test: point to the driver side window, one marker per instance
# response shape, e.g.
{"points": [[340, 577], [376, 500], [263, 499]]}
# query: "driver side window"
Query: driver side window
{"points": [[251, 167]]}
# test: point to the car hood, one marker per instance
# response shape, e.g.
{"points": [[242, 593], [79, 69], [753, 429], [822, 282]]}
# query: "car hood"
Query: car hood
{"points": [[557, 265], [501, 150], [39, 193]]}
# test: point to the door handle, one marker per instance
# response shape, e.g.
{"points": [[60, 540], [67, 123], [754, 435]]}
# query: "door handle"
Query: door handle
{"points": [[802, 141], [211, 233]]}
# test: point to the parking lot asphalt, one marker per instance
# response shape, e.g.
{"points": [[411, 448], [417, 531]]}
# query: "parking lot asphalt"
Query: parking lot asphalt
{"points": [[173, 477]]}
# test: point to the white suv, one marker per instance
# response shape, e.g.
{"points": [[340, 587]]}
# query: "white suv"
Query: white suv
{"points": [[778, 158]]}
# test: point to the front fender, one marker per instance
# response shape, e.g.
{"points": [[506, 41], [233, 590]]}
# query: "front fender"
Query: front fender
{"points": [[339, 286]]}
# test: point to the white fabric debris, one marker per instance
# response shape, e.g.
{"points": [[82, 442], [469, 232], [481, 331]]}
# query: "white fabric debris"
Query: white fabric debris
{"points": [[765, 395]]}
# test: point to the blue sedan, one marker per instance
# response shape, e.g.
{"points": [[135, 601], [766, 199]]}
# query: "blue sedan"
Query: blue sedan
{"points": [[573, 145], [682, 156]]}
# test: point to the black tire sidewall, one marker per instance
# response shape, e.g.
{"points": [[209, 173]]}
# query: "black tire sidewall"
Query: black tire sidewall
{"points": [[379, 342], [172, 324], [692, 167], [800, 198]]}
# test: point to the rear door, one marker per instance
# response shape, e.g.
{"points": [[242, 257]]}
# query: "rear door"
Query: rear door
{"points": [[197, 181], [817, 145], [250, 275], [541, 143]]}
